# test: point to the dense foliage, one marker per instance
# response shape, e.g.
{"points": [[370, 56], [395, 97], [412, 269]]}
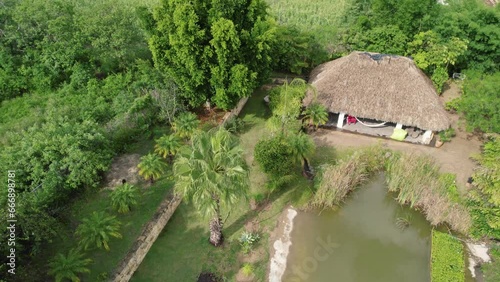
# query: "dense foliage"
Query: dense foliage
{"points": [[447, 258], [480, 101], [485, 201], [275, 156], [214, 50]]}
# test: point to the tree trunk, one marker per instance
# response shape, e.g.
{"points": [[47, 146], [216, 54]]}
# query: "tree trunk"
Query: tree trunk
{"points": [[306, 169], [216, 237], [151, 180]]}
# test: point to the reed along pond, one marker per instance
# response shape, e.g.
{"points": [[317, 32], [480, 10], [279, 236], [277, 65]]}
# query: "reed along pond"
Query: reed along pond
{"points": [[370, 238]]}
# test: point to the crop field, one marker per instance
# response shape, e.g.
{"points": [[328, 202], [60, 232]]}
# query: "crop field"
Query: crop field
{"points": [[321, 17]]}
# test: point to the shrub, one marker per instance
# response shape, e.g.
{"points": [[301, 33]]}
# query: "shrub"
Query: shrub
{"points": [[235, 125], [447, 258], [97, 230], [69, 266], [124, 197], [274, 156], [247, 240], [247, 269], [447, 134]]}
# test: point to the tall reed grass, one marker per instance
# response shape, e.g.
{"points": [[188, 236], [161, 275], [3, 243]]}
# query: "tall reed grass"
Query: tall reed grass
{"points": [[418, 182], [335, 182]]}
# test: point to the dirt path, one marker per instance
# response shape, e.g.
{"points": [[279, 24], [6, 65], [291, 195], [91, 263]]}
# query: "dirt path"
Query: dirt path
{"points": [[453, 157]]}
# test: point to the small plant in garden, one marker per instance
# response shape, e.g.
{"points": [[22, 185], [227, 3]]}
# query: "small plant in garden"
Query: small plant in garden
{"points": [[68, 267], [247, 240], [168, 146], [97, 230], [234, 125], [151, 167], [447, 134], [185, 124], [247, 269], [124, 197]]}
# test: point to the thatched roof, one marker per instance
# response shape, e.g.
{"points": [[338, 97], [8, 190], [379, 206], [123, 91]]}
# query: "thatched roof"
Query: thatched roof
{"points": [[382, 87]]}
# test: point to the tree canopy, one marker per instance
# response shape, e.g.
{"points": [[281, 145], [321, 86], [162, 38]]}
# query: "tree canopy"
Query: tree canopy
{"points": [[214, 50]]}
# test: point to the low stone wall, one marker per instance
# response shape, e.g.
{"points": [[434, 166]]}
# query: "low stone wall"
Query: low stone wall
{"points": [[144, 242], [236, 111]]}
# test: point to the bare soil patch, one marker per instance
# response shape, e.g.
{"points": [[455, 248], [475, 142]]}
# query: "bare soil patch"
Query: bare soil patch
{"points": [[123, 167]]}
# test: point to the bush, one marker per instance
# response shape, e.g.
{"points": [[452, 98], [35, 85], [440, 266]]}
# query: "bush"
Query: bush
{"points": [[447, 258], [274, 156], [447, 134], [247, 240], [124, 197], [479, 102]]}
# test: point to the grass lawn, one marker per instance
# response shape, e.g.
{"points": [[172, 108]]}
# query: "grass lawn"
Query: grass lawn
{"points": [[182, 250]]}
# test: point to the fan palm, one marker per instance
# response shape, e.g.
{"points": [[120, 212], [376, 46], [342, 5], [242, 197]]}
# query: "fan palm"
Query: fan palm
{"points": [[316, 114], [168, 145], [302, 148], [124, 197], [67, 267], [185, 124], [151, 167], [97, 230], [210, 174]]}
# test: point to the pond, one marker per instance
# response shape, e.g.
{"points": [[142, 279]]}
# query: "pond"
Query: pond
{"points": [[370, 238]]}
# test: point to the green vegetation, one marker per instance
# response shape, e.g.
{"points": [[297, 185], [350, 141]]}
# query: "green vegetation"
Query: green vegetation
{"points": [[151, 167], [447, 134], [247, 240], [316, 114], [447, 258], [419, 183], [97, 230], [491, 270], [479, 102], [217, 51], [274, 156], [185, 124], [212, 174], [68, 267], [335, 181], [124, 197], [168, 145], [484, 202]]}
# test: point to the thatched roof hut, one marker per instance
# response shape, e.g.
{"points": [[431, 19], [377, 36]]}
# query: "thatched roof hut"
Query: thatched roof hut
{"points": [[381, 87]]}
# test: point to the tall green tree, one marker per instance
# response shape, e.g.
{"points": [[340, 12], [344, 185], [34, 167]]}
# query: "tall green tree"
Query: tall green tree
{"points": [[67, 267], [151, 167], [97, 230], [212, 174], [214, 50], [286, 102]]}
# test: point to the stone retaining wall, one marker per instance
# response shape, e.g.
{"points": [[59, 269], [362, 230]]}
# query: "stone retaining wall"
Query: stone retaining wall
{"points": [[144, 242]]}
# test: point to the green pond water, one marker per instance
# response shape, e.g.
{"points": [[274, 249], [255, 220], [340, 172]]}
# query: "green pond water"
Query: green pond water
{"points": [[360, 242]]}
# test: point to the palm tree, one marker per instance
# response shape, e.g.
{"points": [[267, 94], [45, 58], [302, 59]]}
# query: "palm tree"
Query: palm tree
{"points": [[168, 145], [151, 167], [316, 114], [211, 174], [302, 148], [97, 230], [124, 197], [185, 124], [67, 267]]}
